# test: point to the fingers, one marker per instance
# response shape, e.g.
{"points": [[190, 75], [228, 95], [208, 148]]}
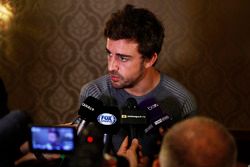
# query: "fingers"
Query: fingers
{"points": [[161, 131], [26, 157], [125, 142], [135, 144], [123, 148], [24, 148], [52, 156], [110, 161]]}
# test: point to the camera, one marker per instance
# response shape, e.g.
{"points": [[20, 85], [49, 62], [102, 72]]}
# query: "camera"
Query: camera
{"points": [[52, 139]]}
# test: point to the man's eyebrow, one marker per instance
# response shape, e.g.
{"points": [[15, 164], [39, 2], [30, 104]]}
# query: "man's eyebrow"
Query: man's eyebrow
{"points": [[118, 54], [108, 51], [123, 55]]}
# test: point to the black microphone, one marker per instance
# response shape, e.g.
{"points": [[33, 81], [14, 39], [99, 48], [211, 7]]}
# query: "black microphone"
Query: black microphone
{"points": [[164, 113], [132, 116], [109, 122], [88, 112]]}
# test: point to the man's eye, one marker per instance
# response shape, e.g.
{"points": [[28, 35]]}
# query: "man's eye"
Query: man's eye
{"points": [[123, 58]]}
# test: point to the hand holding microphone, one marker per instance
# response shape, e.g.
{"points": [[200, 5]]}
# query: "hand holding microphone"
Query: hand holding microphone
{"points": [[131, 153]]}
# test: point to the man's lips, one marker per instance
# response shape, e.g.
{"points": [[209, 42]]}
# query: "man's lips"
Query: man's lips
{"points": [[114, 78]]}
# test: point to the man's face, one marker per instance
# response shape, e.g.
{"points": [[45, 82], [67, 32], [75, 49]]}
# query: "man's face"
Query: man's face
{"points": [[125, 63], [52, 137]]}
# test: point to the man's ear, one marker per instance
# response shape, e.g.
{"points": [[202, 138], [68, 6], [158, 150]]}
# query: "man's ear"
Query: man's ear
{"points": [[150, 62], [156, 163]]}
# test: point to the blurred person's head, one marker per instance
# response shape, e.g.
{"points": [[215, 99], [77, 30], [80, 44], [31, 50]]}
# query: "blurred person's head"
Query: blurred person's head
{"points": [[197, 142]]}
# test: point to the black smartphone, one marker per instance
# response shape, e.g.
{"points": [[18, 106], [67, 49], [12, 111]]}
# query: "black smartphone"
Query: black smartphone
{"points": [[52, 139]]}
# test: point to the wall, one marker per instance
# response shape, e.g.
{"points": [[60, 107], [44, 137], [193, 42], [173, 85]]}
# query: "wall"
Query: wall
{"points": [[53, 47]]}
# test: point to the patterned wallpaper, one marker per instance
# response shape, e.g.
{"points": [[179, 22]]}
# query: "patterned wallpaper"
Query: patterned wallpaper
{"points": [[53, 47]]}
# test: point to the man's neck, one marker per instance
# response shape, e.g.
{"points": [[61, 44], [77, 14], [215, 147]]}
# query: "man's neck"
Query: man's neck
{"points": [[147, 84]]}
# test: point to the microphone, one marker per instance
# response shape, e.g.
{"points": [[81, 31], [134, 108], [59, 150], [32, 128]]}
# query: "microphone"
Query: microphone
{"points": [[109, 122], [163, 113], [132, 116], [88, 112]]}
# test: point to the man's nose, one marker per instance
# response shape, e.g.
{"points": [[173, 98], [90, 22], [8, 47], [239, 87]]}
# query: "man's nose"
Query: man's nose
{"points": [[113, 64]]}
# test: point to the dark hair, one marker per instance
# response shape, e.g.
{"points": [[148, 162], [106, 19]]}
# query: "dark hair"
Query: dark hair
{"points": [[137, 24]]}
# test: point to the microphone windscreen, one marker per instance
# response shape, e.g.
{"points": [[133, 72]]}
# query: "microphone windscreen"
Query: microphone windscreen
{"points": [[89, 108], [109, 119], [131, 114], [131, 103], [172, 107], [152, 109], [164, 113]]}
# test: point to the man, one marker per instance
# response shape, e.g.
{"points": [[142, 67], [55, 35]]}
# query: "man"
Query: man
{"points": [[196, 142], [134, 38], [53, 140], [13, 132]]}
